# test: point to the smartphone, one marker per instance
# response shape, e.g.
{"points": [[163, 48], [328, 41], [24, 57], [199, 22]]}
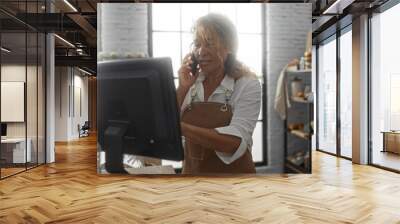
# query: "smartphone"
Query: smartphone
{"points": [[194, 64]]}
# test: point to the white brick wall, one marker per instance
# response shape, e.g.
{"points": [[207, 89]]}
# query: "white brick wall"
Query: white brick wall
{"points": [[122, 30], [287, 28]]}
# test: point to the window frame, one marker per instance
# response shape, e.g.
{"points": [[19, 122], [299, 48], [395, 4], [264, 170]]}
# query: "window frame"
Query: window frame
{"points": [[41, 37], [379, 10], [343, 22], [333, 36], [342, 32]]}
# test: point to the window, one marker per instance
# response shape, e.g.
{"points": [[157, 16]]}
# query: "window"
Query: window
{"points": [[327, 96], [394, 102], [171, 31], [172, 25], [22, 65], [346, 94], [385, 85]]}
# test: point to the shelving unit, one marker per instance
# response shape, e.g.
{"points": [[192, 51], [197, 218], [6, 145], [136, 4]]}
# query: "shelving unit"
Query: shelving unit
{"points": [[297, 155], [289, 165], [299, 99], [300, 134]]}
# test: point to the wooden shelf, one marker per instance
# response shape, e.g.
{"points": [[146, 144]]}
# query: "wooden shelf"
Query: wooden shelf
{"points": [[299, 169], [306, 72], [300, 134], [304, 106], [300, 100]]}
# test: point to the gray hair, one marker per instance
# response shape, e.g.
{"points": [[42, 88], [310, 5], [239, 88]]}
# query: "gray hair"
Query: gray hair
{"points": [[223, 27], [212, 25]]}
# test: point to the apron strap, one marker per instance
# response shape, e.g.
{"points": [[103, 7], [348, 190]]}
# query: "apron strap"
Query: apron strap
{"points": [[228, 95], [224, 107], [193, 94]]}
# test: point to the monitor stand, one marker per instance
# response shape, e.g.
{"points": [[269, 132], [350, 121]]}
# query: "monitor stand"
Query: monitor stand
{"points": [[113, 146]]}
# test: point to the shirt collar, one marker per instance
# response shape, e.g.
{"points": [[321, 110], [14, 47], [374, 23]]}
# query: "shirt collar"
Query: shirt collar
{"points": [[227, 83]]}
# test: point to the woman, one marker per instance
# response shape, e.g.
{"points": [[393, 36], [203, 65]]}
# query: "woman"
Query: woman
{"points": [[219, 100]]}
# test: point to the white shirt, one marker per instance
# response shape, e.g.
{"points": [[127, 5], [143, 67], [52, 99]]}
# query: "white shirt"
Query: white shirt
{"points": [[245, 102]]}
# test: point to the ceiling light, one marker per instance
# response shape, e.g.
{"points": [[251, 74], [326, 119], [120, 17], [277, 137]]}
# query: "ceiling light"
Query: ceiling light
{"points": [[333, 6], [65, 41], [86, 72], [79, 51], [5, 49], [338, 6], [70, 5]]}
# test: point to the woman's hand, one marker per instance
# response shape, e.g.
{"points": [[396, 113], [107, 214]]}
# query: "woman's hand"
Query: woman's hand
{"points": [[183, 128], [186, 78]]}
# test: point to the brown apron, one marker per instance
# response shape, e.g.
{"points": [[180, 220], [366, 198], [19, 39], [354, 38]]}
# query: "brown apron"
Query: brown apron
{"points": [[201, 160]]}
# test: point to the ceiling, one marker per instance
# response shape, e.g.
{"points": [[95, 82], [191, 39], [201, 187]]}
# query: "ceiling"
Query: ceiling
{"points": [[331, 15], [74, 21]]}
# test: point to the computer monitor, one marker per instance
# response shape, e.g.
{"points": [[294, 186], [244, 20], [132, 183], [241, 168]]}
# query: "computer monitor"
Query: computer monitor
{"points": [[137, 111], [3, 129]]}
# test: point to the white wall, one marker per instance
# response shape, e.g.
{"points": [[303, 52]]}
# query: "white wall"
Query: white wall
{"points": [[61, 102], [33, 126], [287, 26], [80, 83], [122, 30], [67, 115], [12, 73]]}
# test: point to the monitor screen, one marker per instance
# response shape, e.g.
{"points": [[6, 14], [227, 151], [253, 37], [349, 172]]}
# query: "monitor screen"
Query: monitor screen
{"points": [[138, 97], [3, 129]]}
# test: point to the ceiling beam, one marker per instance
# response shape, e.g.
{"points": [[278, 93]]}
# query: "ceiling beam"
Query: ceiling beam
{"points": [[81, 61], [84, 24], [337, 7]]}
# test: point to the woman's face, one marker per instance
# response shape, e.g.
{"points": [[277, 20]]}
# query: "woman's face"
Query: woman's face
{"points": [[210, 53]]}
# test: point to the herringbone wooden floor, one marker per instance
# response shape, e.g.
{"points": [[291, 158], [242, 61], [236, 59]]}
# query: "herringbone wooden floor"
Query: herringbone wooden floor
{"points": [[70, 191]]}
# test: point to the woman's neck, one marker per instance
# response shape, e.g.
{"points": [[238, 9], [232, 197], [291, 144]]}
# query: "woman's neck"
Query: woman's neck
{"points": [[214, 78], [211, 82]]}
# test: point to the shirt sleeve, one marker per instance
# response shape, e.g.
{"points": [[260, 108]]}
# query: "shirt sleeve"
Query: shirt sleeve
{"points": [[185, 101], [244, 120]]}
